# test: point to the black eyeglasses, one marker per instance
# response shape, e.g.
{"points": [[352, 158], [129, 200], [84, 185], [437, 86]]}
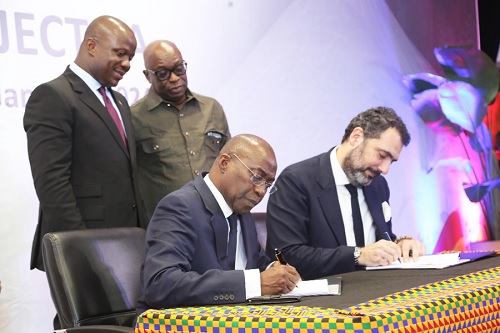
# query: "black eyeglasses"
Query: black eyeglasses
{"points": [[164, 74], [258, 180]]}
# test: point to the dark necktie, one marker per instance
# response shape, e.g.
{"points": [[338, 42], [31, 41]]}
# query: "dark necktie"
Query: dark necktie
{"points": [[231, 243], [113, 113], [356, 215]]}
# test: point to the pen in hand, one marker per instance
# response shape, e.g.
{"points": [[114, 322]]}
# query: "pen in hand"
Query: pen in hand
{"points": [[388, 237], [281, 259]]}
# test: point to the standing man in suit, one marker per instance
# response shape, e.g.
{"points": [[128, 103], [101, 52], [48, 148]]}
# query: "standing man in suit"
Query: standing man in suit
{"points": [[179, 133], [189, 257], [82, 160], [311, 217]]}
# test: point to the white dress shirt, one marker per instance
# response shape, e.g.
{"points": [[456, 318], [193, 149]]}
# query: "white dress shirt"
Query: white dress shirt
{"points": [[252, 276], [345, 205], [94, 85]]}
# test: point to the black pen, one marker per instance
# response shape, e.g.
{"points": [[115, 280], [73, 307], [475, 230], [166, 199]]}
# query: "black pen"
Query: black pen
{"points": [[388, 237], [279, 257]]}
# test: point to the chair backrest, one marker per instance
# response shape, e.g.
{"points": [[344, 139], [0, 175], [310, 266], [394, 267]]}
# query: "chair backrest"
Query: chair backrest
{"points": [[94, 275]]}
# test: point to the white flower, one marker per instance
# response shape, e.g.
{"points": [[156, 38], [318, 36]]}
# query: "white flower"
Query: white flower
{"points": [[387, 211]]}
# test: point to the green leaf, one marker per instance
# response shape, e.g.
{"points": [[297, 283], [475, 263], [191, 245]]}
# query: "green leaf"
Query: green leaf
{"points": [[464, 63], [420, 82], [426, 105], [480, 140], [476, 192], [462, 104]]}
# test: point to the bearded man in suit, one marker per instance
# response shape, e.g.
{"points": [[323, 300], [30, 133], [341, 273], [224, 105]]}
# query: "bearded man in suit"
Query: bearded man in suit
{"points": [[312, 218]]}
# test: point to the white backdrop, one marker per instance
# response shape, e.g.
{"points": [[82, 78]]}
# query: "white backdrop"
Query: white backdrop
{"points": [[293, 72]]}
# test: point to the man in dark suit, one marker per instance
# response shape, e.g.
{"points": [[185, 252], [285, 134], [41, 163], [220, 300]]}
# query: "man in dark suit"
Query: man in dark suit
{"points": [[82, 162], [311, 217], [189, 261]]}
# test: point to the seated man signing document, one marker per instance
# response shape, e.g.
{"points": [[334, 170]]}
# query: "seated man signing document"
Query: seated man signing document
{"points": [[331, 214], [192, 257]]}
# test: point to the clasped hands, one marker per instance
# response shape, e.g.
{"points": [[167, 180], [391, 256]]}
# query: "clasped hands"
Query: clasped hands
{"points": [[383, 252]]}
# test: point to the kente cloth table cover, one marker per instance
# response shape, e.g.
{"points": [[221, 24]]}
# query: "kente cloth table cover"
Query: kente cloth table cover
{"points": [[467, 303]]}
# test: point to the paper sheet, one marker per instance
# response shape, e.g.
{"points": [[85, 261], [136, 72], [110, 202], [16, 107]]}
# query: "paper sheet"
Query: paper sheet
{"points": [[431, 261], [314, 288]]}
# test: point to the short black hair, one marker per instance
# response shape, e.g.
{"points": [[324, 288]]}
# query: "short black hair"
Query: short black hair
{"points": [[375, 121]]}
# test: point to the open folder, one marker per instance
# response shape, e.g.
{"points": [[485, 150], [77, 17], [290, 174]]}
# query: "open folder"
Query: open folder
{"points": [[431, 261]]}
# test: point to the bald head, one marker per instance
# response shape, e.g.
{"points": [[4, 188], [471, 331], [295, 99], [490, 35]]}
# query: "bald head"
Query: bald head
{"points": [[106, 50], [232, 171], [166, 71], [106, 26], [248, 144], [159, 49]]}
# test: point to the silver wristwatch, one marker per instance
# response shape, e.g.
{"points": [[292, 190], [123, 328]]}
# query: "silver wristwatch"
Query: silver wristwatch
{"points": [[357, 253]]}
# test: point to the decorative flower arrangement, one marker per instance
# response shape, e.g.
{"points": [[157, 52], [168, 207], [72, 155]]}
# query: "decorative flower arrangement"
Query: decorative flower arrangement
{"points": [[457, 104]]}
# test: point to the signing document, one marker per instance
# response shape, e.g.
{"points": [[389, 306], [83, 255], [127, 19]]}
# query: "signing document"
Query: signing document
{"points": [[431, 261], [317, 287], [312, 287]]}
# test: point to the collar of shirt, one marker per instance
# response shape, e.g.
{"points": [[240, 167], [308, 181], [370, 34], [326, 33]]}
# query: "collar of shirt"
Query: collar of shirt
{"points": [[226, 210], [241, 257], [344, 198], [252, 276], [93, 84], [154, 100], [338, 173]]}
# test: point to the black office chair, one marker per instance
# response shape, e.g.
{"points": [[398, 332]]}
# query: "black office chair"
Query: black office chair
{"points": [[94, 276]]}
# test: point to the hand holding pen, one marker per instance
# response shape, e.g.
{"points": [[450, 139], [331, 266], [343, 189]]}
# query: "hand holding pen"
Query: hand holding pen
{"points": [[411, 249], [281, 259], [381, 253], [388, 237]]}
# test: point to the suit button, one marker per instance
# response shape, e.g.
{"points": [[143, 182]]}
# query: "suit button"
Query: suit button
{"points": [[134, 207], [231, 297], [216, 298], [226, 297], [221, 297]]}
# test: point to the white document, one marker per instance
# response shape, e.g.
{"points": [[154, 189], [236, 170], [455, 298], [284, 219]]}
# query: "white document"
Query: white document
{"points": [[431, 261], [313, 288]]}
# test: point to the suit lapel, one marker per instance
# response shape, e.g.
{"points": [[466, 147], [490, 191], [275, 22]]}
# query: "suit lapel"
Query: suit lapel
{"points": [[328, 199], [89, 98], [219, 224], [218, 221], [375, 208], [247, 223], [127, 124]]}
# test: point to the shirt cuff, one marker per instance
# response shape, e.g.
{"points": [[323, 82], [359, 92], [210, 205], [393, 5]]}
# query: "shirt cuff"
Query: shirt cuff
{"points": [[252, 283]]}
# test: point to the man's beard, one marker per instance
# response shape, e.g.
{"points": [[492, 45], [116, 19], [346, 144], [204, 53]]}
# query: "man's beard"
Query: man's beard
{"points": [[357, 176]]}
